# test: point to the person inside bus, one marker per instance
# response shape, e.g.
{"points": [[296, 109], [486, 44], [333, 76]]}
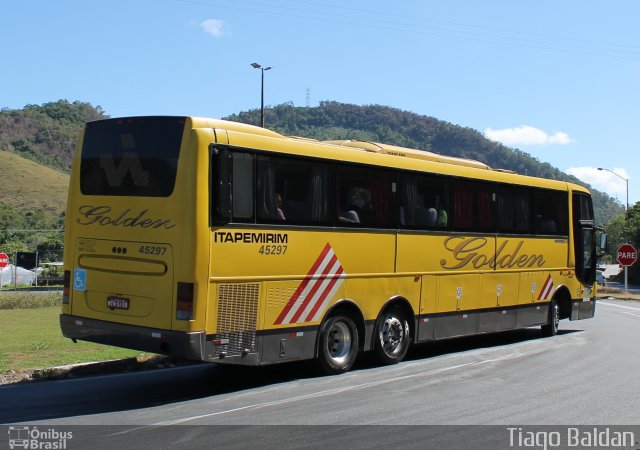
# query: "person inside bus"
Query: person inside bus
{"points": [[441, 214], [358, 209], [436, 215], [279, 207]]}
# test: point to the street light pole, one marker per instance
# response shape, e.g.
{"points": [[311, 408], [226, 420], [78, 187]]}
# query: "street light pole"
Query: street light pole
{"points": [[262, 70], [626, 219]]}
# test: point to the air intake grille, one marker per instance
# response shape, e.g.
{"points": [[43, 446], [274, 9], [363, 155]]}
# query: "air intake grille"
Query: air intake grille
{"points": [[237, 317]]}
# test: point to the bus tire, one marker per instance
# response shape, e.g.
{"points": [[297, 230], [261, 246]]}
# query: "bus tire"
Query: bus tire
{"points": [[392, 336], [553, 320], [338, 344]]}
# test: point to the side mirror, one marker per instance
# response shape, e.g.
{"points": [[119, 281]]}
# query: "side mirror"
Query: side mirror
{"points": [[601, 237]]}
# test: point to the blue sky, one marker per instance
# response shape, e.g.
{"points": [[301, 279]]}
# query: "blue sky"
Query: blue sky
{"points": [[556, 79]]}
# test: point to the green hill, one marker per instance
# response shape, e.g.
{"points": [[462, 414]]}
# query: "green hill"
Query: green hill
{"points": [[28, 186], [32, 203]]}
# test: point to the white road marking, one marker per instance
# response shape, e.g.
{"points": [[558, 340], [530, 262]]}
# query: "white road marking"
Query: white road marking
{"points": [[619, 306], [329, 392]]}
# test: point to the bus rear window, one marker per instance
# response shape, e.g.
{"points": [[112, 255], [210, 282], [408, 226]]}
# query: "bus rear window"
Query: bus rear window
{"points": [[131, 157]]}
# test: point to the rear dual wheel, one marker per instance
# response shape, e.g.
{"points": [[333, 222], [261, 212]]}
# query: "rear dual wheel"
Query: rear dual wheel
{"points": [[392, 336]]}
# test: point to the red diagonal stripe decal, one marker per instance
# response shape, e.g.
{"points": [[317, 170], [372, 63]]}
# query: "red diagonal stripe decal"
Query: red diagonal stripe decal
{"points": [[317, 282], [302, 285], [544, 292], [326, 292]]}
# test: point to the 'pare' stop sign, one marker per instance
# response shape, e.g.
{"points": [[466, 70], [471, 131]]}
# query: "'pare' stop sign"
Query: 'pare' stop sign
{"points": [[627, 255]]}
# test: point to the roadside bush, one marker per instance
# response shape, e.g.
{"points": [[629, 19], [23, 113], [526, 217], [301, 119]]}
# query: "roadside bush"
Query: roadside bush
{"points": [[29, 300]]}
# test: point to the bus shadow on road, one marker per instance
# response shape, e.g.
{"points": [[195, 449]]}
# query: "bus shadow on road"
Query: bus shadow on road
{"points": [[467, 343], [191, 381], [433, 349]]}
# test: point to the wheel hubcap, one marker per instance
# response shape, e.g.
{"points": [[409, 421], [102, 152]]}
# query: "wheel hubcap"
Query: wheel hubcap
{"points": [[392, 335], [339, 342]]}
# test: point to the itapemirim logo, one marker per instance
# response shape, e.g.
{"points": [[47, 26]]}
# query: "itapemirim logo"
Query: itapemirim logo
{"points": [[32, 438]]}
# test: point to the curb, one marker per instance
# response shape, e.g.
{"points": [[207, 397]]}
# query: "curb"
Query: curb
{"points": [[84, 369], [132, 364]]}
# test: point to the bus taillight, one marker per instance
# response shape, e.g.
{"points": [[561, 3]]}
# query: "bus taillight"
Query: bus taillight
{"points": [[184, 304], [65, 287]]}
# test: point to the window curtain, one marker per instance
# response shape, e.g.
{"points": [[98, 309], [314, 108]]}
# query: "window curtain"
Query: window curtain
{"points": [[409, 199], [523, 213], [486, 218], [266, 191], [381, 193], [319, 198], [463, 209], [506, 211]]}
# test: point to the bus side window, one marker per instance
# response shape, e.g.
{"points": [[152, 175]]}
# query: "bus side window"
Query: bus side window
{"points": [[550, 212], [220, 170], [292, 190], [424, 201], [522, 211], [474, 206], [366, 197], [514, 210]]}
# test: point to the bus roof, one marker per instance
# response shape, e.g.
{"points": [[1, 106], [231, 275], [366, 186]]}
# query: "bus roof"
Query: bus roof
{"points": [[394, 150], [204, 122], [385, 155]]}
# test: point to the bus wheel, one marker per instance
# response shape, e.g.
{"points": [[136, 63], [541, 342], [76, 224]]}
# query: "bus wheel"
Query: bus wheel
{"points": [[553, 320], [338, 344], [392, 336]]}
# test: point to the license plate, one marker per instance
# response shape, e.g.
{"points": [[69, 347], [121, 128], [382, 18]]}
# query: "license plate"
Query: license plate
{"points": [[115, 302]]}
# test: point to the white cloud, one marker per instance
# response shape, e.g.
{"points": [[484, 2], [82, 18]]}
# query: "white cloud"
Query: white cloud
{"points": [[560, 137], [603, 180], [526, 135], [214, 27]]}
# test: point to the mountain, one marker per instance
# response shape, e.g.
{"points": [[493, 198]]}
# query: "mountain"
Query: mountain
{"points": [[46, 133], [333, 120]]}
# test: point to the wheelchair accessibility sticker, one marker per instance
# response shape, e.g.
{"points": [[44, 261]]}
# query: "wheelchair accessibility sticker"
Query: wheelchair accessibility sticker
{"points": [[80, 280]]}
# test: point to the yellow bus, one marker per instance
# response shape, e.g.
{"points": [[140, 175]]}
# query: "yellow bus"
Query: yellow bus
{"points": [[223, 242]]}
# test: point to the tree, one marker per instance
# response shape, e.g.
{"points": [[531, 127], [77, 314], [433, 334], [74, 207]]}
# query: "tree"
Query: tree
{"points": [[615, 236]]}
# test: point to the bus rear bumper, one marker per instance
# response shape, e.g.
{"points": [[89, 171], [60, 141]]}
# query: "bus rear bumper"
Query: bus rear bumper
{"points": [[167, 342], [583, 309]]}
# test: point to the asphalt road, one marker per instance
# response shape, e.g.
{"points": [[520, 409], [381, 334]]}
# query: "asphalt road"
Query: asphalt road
{"points": [[586, 375]]}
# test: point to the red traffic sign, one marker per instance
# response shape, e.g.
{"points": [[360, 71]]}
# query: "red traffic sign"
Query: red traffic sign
{"points": [[627, 255], [4, 260]]}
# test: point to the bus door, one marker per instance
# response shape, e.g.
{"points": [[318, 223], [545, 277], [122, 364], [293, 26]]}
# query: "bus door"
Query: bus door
{"points": [[584, 239]]}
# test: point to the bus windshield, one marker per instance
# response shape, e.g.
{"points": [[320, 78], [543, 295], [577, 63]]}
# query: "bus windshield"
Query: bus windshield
{"points": [[131, 157]]}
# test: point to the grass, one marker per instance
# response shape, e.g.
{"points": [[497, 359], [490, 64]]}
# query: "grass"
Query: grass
{"points": [[31, 186], [31, 339], [617, 293]]}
